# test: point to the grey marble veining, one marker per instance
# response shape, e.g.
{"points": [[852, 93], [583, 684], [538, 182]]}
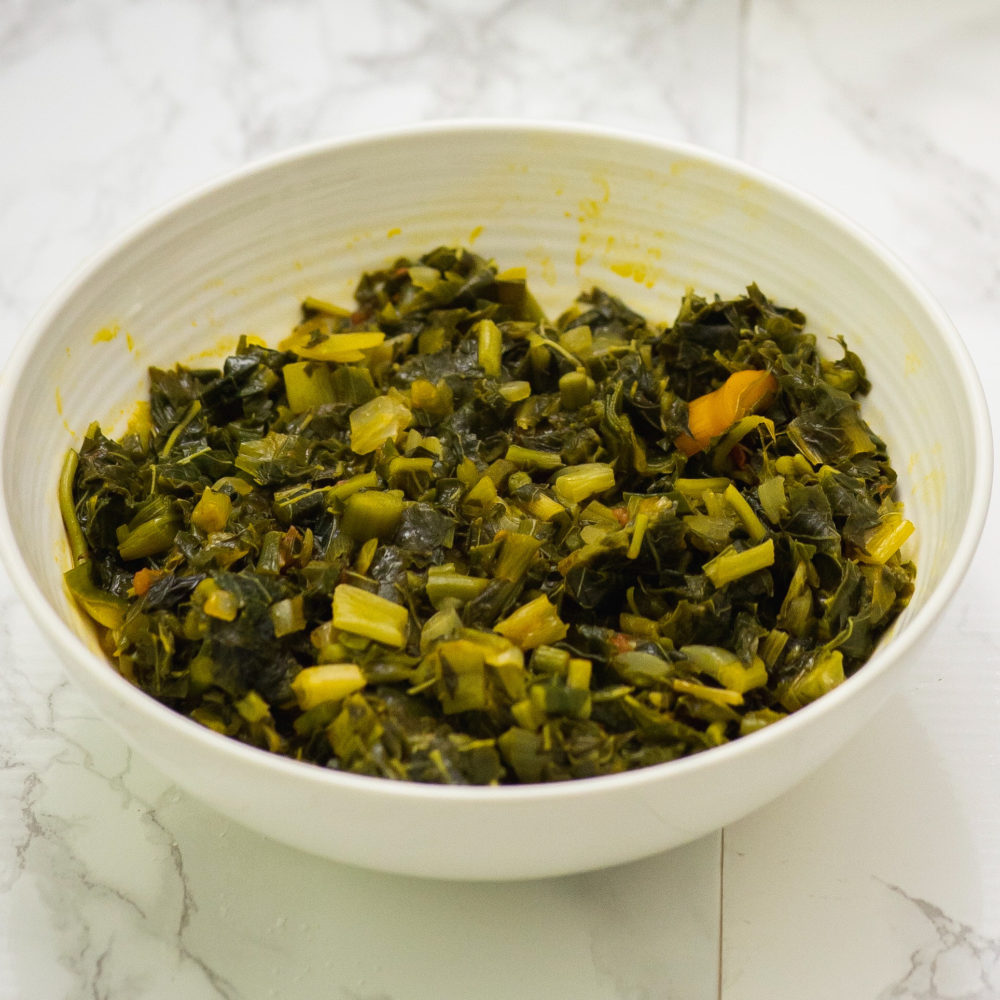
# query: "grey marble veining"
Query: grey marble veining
{"points": [[959, 962], [879, 878]]}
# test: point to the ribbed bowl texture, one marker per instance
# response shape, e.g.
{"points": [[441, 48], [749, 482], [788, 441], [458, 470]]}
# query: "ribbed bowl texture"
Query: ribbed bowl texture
{"points": [[641, 218]]}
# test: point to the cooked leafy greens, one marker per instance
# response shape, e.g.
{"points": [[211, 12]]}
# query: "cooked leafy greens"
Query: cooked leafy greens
{"points": [[441, 538]]}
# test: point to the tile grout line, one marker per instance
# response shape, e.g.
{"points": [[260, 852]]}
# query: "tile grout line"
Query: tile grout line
{"points": [[741, 122], [722, 885], [743, 21]]}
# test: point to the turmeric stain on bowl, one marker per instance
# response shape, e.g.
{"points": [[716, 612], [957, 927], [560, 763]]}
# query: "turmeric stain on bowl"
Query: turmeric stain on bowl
{"points": [[223, 347], [634, 260], [543, 265], [633, 269], [59, 411], [106, 334], [590, 209], [140, 420], [111, 332], [631, 257], [928, 486]]}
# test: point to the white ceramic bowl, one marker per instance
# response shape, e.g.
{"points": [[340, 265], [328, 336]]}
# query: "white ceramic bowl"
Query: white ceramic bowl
{"points": [[578, 206]]}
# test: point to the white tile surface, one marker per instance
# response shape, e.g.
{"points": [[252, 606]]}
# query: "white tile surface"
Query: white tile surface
{"points": [[112, 884], [116, 885], [879, 877]]}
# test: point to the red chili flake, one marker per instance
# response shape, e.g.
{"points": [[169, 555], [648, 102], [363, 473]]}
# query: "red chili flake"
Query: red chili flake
{"points": [[622, 642]]}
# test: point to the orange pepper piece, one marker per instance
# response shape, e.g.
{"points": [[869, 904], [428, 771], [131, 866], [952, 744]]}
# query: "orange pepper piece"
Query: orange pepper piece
{"points": [[714, 413], [144, 579]]}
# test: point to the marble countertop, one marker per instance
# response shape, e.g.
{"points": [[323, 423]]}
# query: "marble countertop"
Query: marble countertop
{"points": [[877, 878]]}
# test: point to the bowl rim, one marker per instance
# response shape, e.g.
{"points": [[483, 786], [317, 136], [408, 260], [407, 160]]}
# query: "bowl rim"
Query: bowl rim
{"points": [[73, 648]]}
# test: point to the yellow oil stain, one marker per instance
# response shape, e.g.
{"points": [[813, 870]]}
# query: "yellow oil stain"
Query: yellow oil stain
{"points": [[590, 209], [633, 269], [930, 489], [912, 363], [140, 421], [546, 266], [395, 231], [627, 257], [475, 234], [106, 334], [59, 411], [358, 237], [223, 347], [929, 486], [129, 342]]}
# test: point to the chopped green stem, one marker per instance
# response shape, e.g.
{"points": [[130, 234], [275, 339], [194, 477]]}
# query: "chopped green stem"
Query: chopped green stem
{"points": [[576, 389], [67, 508], [533, 458], [490, 345], [583, 481], [192, 411], [731, 565]]}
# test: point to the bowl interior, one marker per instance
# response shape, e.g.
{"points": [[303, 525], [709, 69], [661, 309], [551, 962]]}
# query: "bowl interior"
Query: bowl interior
{"points": [[577, 209]]}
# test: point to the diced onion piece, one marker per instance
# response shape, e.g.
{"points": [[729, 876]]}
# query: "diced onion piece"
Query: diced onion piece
{"points": [[221, 604], [380, 419], [212, 511], [307, 385], [326, 682], [533, 624], [362, 613], [515, 391], [583, 481]]}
